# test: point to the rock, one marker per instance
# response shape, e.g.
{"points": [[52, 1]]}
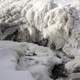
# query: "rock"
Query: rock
{"points": [[72, 65], [74, 76], [72, 45]]}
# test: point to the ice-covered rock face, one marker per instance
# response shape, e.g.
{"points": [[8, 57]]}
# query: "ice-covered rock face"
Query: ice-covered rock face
{"points": [[25, 18], [73, 41], [25, 21], [72, 47], [59, 23]]}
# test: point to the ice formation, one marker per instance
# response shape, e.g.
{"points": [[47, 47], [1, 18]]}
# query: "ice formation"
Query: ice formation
{"points": [[45, 23], [59, 22], [26, 17]]}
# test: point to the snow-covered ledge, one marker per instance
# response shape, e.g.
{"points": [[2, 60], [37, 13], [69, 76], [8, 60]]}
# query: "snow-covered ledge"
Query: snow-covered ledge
{"points": [[22, 57]]}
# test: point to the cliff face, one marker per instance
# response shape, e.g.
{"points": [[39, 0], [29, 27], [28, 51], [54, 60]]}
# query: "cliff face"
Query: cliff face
{"points": [[26, 17], [35, 21]]}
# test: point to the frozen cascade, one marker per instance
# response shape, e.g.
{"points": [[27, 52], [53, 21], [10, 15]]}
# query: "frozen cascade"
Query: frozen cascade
{"points": [[43, 38]]}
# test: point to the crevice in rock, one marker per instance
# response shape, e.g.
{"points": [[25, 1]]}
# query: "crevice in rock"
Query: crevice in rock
{"points": [[59, 71], [12, 36], [77, 69]]}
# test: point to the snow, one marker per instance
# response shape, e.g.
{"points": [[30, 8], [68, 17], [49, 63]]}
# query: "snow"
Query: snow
{"points": [[15, 75], [63, 2], [8, 64], [17, 61]]}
